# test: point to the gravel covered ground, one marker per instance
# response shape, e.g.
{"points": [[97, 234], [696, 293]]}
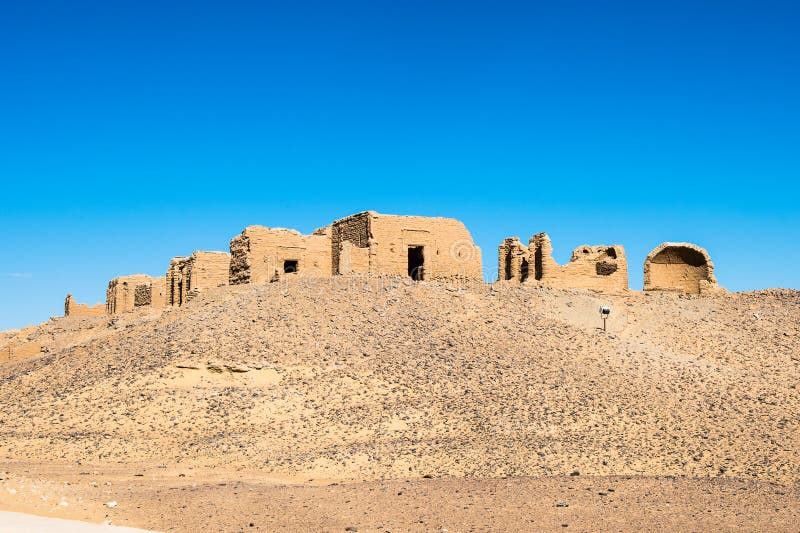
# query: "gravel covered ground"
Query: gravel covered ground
{"points": [[359, 381]]}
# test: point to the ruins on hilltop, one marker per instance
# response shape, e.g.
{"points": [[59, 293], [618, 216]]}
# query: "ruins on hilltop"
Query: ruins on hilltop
{"points": [[189, 276], [125, 293], [73, 308], [423, 248], [601, 268], [261, 255], [680, 267]]}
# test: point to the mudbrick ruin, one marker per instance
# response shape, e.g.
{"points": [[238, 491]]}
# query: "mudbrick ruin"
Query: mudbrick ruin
{"points": [[679, 267], [189, 276], [262, 255], [600, 268], [128, 292], [422, 248], [73, 308]]}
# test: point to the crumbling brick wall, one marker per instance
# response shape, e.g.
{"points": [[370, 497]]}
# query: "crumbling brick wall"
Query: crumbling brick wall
{"points": [[73, 308], [174, 281], [261, 255], [512, 260], [124, 293], [680, 267], [189, 276], [601, 268], [375, 244]]}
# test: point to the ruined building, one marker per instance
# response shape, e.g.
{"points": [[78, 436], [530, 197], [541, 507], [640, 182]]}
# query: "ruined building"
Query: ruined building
{"points": [[680, 267], [261, 255], [128, 292], [73, 308], [601, 268], [423, 248], [189, 276]]}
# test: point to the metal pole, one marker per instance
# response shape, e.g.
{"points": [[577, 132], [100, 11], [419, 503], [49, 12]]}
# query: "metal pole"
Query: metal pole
{"points": [[604, 324]]}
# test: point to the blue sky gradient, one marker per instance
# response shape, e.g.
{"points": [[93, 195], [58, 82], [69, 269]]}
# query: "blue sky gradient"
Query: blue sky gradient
{"points": [[132, 132]]}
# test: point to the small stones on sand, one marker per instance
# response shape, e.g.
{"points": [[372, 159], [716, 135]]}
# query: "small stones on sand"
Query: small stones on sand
{"points": [[237, 367], [111, 504], [562, 504]]}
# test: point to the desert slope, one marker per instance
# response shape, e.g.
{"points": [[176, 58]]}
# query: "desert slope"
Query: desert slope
{"points": [[369, 379]]}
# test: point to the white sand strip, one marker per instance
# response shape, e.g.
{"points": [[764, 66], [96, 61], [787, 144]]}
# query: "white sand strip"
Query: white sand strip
{"points": [[27, 523]]}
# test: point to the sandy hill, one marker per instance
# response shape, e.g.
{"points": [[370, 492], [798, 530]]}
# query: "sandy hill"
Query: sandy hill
{"points": [[368, 379]]}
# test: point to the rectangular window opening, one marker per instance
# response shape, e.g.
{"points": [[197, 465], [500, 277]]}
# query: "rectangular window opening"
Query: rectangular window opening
{"points": [[290, 266]]}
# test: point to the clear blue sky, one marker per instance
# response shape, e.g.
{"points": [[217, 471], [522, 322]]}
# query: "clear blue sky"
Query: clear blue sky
{"points": [[131, 132]]}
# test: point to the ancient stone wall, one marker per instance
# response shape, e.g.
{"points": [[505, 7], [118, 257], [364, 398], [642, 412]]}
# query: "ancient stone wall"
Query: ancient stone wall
{"points": [[600, 268], [19, 350], [680, 267], [124, 293], [512, 260], [173, 281], [73, 308], [421, 247], [261, 254], [189, 276]]}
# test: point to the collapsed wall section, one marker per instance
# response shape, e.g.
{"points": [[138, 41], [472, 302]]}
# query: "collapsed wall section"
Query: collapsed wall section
{"points": [[261, 255], [126, 293], [189, 276], [424, 248], [73, 308], [600, 268], [680, 267], [350, 244]]}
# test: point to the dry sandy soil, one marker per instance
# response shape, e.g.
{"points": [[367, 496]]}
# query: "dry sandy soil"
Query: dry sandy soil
{"points": [[390, 405]]}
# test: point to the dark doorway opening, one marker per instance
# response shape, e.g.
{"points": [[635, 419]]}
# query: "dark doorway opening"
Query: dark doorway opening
{"points": [[537, 263], [523, 270], [416, 263], [290, 267], [508, 265]]}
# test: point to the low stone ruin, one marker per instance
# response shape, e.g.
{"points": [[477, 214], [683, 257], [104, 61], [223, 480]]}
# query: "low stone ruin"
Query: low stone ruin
{"points": [[73, 308], [126, 293], [600, 268], [189, 276], [19, 350], [680, 267]]}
